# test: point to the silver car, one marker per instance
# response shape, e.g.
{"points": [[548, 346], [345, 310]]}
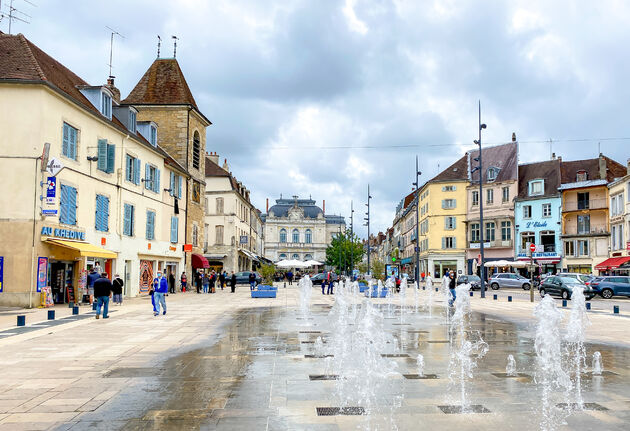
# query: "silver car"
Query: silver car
{"points": [[509, 280]]}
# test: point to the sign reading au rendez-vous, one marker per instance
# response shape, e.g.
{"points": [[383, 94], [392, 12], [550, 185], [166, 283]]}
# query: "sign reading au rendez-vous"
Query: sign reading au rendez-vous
{"points": [[63, 233]]}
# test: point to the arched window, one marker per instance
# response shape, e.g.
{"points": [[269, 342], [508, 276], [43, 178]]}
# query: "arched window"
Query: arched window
{"points": [[296, 235], [295, 256], [283, 235], [196, 153], [308, 236], [282, 256], [308, 257]]}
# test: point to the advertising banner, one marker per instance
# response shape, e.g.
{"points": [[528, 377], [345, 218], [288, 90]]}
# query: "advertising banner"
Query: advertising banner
{"points": [[42, 273]]}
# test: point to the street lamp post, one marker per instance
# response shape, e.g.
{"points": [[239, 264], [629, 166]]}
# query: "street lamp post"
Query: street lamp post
{"points": [[417, 248], [367, 220], [351, 240], [481, 227]]}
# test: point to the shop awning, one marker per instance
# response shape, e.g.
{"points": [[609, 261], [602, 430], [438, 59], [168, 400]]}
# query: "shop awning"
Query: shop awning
{"points": [[84, 248], [612, 263], [198, 261], [215, 256]]}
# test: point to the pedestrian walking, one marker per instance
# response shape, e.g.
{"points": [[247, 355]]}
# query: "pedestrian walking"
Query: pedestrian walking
{"points": [[213, 280], [117, 289], [330, 290], [183, 280], [233, 282], [198, 281], [91, 278], [206, 282], [451, 288], [158, 295], [290, 277], [171, 282], [252, 280], [323, 286], [102, 290], [222, 279]]}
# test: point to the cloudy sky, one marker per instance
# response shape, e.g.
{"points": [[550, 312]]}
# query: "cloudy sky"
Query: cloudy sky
{"points": [[322, 97]]}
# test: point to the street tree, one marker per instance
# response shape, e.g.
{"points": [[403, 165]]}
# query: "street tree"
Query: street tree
{"points": [[344, 252]]}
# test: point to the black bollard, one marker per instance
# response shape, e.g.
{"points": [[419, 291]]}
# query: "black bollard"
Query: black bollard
{"points": [[436, 289], [21, 320], [495, 297], [509, 299], [615, 309], [424, 287], [51, 314], [564, 302], [75, 310], [588, 305], [471, 293]]}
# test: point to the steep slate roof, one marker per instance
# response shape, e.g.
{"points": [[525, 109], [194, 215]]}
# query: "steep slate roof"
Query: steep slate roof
{"points": [[548, 170], [162, 84], [504, 157], [282, 206], [22, 61], [591, 166], [457, 171]]}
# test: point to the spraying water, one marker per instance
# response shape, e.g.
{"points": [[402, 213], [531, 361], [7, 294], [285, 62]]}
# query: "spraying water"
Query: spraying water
{"points": [[306, 291], [550, 374], [510, 368], [415, 297], [597, 364], [576, 328], [403, 297], [430, 298], [420, 365]]}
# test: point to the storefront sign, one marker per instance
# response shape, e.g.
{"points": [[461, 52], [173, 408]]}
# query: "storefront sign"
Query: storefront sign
{"points": [[187, 247], [49, 212], [243, 239], [477, 245], [1, 271], [542, 255], [51, 190], [54, 166], [535, 224], [63, 233], [42, 273]]}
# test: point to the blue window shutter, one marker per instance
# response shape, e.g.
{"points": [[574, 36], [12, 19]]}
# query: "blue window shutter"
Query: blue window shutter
{"points": [[63, 207], [136, 171], [111, 157], [128, 168], [149, 233], [179, 186], [105, 213], [133, 224], [127, 220], [174, 221], [454, 242], [101, 164], [156, 183], [443, 242], [73, 142], [97, 213], [172, 192], [147, 178], [65, 146], [72, 205]]}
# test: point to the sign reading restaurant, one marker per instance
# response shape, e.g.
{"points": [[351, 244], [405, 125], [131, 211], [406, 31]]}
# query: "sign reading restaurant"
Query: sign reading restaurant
{"points": [[58, 232]]}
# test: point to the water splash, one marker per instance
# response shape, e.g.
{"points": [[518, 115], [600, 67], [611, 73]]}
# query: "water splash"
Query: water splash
{"points": [[510, 368], [597, 364], [403, 298], [415, 296], [430, 297], [420, 365], [576, 352], [306, 291]]}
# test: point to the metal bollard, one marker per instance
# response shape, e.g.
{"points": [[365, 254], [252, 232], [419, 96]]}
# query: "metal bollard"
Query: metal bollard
{"points": [[509, 299], [471, 293], [437, 290], [615, 309], [588, 305], [21, 320], [75, 310], [51, 314], [564, 302], [424, 288], [495, 297]]}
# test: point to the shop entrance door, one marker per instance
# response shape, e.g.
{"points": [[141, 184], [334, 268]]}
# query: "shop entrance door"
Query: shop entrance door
{"points": [[61, 276]]}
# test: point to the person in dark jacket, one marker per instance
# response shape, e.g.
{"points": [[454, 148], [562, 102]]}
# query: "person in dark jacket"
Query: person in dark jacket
{"points": [[198, 281], [171, 282], [117, 289], [222, 280], [252, 280], [451, 287], [233, 282], [91, 278], [183, 280], [158, 296], [290, 277], [102, 291], [213, 280]]}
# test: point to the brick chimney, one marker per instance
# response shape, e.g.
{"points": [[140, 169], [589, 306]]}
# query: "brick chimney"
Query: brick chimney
{"points": [[324, 207], [214, 157], [115, 91], [602, 167], [513, 136], [267, 211], [225, 166]]}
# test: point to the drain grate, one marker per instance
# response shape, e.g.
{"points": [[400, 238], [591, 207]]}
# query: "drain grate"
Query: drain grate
{"points": [[587, 406], [474, 408], [307, 342], [437, 341], [420, 377], [506, 376], [394, 355], [310, 332], [416, 331], [323, 377], [335, 411], [400, 324], [319, 356]]}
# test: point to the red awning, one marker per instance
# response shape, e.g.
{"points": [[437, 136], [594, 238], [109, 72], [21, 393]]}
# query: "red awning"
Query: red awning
{"points": [[612, 263], [198, 261]]}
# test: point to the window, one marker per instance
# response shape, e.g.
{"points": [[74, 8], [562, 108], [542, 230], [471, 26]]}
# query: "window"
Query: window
{"points": [[153, 136], [527, 238], [506, 194], [282, 256], [101, 222], [106, 154], [106, 105], [489, 196], [219, 205], [295, 235], [582, 248], [617, 237], [151, 178], [283, 235], [150, 234], [616, 205], [132, 121], [128, 220], [581, 176], [449, 203], [583, 201], [490, 231], [569, 248], [68, 205], [449, 223], [492, 173], [584, 224], [218, 235], [506, 230], [132, 169], [475, 197], [474, 232], [295, 256], [548, 240], [449, 188], [176, 185], [308, 236], [69, 145], [546, 210], [195, 235], [196, 150], [536, 187], [527, 211], [308, 257], [196, 192], [448, 242], [174, 229]]}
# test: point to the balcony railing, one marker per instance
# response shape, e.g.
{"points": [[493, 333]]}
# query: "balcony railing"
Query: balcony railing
{"points": [[593, 230], [592, 204]]}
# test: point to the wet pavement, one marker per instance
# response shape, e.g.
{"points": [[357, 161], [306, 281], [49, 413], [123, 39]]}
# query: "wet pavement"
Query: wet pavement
{"points": [[255, 373]]}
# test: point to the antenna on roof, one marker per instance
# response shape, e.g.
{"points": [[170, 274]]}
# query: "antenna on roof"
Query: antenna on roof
{"points": [[175, 39], [111, 47], [22, 17], [159, 42]]}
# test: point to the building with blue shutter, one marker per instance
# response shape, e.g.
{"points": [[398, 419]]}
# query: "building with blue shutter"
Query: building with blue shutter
{"points": [[118, 202]]}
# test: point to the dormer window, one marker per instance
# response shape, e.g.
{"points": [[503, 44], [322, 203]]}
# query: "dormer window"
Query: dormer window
{"points": [[492, 173], [106, 105], [581, 176], [132, 121], [153, 138], [536, 187]]}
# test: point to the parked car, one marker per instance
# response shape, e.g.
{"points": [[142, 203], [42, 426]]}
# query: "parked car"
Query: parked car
{"points": [[243, 277], [318, 278], [563, 287], [474, 280], [608, 287], [507, 279], [584, 278]]}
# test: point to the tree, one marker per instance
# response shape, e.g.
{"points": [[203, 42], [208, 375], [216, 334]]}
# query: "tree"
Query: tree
{"points": [[378, 269], [343, 251], [362, 267], [267, 272]]}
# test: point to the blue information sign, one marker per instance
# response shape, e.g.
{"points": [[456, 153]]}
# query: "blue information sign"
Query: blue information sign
{"points": [[51, 189]]}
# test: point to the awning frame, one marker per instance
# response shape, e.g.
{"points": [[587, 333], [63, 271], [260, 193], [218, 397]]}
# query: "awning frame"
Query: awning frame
{"points": [[85, 249]]}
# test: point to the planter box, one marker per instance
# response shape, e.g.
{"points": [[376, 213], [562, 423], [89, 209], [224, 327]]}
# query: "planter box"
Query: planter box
{"points": [[264, 293], [265, 287]]}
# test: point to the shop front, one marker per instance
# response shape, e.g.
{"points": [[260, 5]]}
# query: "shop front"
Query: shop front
{"points": [[152, 265], [216, 261]]}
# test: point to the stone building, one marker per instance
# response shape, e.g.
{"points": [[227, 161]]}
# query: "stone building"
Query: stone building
{"points": [[619, 261], [164, 101], [299, 229], [233, 226]]}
